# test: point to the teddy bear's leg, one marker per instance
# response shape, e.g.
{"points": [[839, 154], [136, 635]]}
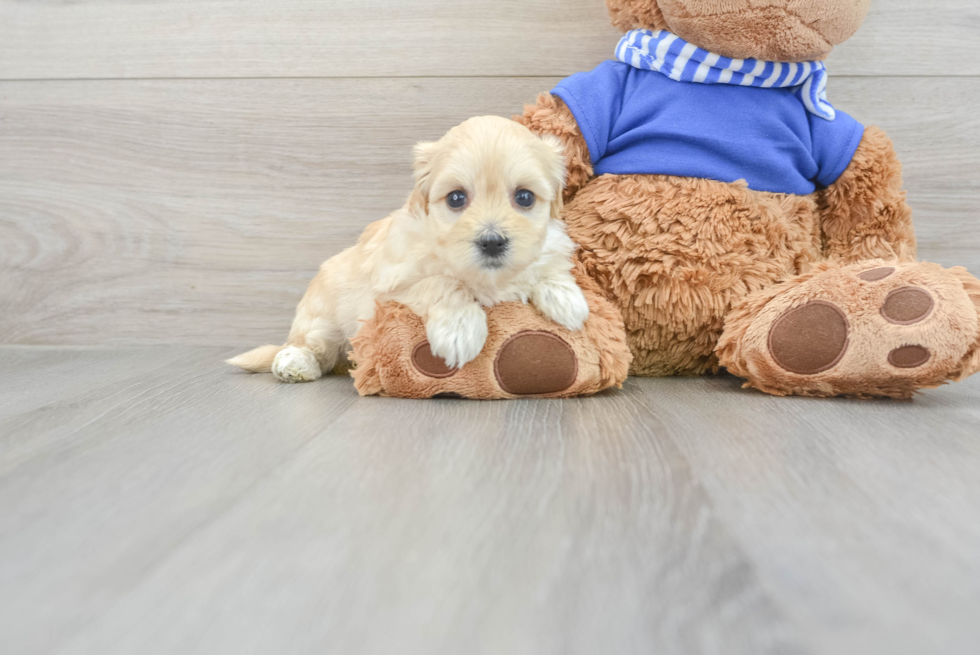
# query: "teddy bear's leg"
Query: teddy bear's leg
{"points": [[864, 214], [870, 329]]}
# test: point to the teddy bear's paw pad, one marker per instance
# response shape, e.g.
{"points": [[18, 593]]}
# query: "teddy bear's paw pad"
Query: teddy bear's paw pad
{"points": [[535, 363], [428, 364], [810, 339]]}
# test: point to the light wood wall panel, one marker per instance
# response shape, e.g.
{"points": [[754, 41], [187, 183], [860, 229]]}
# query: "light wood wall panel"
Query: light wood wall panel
{"points": [[108, 39], [196, 211]]}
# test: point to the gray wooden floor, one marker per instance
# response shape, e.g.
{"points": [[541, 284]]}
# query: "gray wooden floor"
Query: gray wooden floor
{"points": [[153, 501]]}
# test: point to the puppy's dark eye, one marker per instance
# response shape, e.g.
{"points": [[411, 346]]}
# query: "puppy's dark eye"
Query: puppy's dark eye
{"points": [[524, 198], [456, 199]]}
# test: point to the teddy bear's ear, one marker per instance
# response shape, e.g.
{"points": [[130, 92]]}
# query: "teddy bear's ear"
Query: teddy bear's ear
{"points": [[636, 14], [425, 154]]}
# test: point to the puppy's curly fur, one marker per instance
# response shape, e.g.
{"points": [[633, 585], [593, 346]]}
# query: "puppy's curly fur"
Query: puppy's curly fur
{"points": [[466, 239]]}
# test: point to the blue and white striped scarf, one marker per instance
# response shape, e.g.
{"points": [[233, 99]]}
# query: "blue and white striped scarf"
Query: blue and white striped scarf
{"points": [[681, 61]]}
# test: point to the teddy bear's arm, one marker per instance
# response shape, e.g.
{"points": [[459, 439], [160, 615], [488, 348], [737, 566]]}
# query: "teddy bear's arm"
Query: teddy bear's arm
{"points": [[864, 214], [552, 116]]}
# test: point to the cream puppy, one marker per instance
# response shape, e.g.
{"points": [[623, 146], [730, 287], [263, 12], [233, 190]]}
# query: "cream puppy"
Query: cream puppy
{"points": [[481, 227]]}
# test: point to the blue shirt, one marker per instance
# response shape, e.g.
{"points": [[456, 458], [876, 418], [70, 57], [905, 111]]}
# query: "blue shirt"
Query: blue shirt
{"points": [[638, 121]]}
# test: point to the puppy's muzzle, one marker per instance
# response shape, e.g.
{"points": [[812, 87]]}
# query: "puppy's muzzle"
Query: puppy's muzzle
{"points": [[492, 248]]}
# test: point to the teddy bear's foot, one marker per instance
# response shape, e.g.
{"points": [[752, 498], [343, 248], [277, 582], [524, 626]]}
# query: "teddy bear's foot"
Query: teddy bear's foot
{"points": [[874, 329], [528, 363], [526, 354]]}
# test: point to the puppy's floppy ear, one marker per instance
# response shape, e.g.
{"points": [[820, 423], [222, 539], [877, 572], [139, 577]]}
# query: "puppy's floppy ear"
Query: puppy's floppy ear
{"points": [[557, 171], [425, 153]]}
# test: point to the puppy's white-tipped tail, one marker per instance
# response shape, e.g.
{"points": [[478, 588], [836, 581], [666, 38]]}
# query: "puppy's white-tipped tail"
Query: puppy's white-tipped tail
{"points": [[258, 360]]}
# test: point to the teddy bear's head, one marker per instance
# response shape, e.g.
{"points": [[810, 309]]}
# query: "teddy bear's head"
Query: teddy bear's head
{"points": [[772, 30]]}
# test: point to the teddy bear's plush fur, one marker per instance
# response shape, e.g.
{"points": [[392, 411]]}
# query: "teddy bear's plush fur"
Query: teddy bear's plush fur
{"points": [[816, 295]]}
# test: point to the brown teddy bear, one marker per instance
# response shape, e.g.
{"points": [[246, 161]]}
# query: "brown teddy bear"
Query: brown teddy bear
{"points": [[735, 218]]}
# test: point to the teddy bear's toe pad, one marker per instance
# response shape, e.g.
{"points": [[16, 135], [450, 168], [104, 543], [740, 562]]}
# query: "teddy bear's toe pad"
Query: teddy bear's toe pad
{"points": [[909, 357], [907, 306], [877, 274], [534, 363], [426, 363]]}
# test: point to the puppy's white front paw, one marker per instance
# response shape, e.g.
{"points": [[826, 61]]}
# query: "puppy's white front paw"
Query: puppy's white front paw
{"points": [[565, 304], [458, 336], [295, 365]]}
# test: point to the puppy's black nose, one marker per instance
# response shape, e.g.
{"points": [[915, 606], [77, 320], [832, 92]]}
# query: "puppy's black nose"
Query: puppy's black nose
{"points": [[493, 245]]}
